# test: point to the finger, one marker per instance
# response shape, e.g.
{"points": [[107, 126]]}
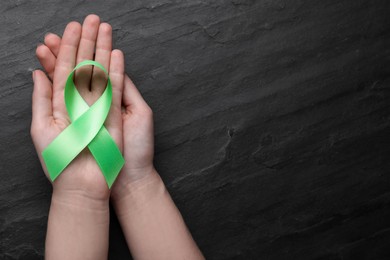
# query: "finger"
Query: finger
{"points": [[53, 41], [103, 55], [47, 59], [41, 98], [132, 98], [65, 63], [85, 52], [88, 38], [114, 120]]}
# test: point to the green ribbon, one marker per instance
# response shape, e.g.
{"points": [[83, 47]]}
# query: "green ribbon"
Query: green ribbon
{"points": [[86, 129]]}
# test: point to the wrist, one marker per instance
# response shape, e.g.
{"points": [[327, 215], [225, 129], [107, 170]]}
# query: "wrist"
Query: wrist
{"points": [[132, 195], [87, 184], [79, 199], [133, 178]]}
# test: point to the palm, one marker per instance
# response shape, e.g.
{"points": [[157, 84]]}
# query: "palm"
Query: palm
{"points": [[82, 173]]}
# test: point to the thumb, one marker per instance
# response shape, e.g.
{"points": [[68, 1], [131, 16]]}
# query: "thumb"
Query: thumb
{"points": [[132, 97]]}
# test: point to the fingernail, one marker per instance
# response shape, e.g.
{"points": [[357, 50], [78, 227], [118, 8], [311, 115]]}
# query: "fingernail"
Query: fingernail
{"points": [[33, 75]]}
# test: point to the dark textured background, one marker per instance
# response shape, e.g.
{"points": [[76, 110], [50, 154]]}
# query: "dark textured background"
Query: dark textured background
{"points": [[272, 121]]}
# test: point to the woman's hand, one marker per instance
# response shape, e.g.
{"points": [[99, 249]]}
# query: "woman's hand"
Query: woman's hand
{"points": [[78, 223], [91, 41]]}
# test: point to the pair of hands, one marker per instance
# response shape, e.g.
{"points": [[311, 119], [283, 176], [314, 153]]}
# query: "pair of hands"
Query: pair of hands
{"points": [[78, 222], [129, 122]]}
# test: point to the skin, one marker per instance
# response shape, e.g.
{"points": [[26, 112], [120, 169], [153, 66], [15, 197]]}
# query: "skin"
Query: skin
{"points": [[79, 215]]}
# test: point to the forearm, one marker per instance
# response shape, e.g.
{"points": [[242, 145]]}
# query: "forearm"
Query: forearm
{"points": [[153, 226], [77, 227]]}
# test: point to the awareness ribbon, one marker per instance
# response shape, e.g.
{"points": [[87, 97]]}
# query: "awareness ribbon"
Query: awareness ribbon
{"points": [[87, 129]]}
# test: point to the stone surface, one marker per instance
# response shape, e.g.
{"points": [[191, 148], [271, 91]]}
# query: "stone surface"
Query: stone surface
{"points": [[271, 121]]}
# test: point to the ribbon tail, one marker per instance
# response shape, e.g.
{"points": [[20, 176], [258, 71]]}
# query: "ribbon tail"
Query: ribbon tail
{"points": [[107, 155]]}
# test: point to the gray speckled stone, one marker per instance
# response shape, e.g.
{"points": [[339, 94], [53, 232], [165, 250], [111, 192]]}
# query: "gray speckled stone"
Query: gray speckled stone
{"points": [[272, 121]]}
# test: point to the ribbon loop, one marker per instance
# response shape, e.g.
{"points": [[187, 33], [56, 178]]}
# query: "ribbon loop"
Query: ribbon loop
{"points": [[86, 130]]}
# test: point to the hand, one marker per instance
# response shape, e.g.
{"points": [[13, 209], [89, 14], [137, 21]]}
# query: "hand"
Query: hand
{"points": [[137, 123], [82, 176]]}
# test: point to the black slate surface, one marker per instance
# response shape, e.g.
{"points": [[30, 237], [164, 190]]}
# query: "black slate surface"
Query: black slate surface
{"points": [[272, 121]]}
